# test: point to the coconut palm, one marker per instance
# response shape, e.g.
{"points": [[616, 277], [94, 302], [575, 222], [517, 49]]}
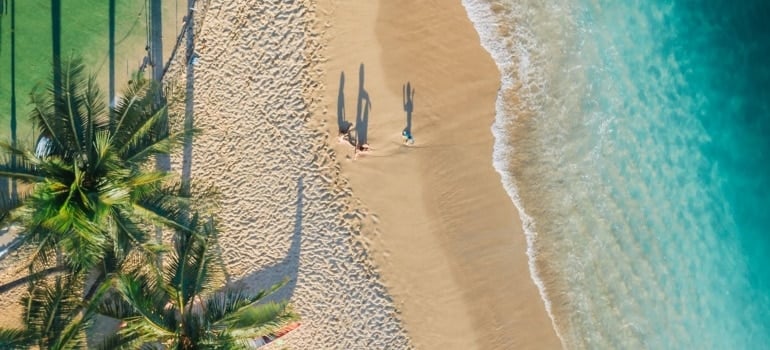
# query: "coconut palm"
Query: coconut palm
{"points": [[90, 189], [54, 316], [178, 305]]}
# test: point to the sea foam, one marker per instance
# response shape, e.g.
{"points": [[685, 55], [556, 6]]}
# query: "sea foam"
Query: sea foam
{"points": [[511, 53]]}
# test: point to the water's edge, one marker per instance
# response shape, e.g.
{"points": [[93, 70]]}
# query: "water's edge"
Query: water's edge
{"points": [[483, 20]]}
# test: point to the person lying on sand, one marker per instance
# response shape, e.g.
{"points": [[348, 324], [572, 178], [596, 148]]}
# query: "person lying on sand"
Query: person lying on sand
{"points": [[346, 136]]}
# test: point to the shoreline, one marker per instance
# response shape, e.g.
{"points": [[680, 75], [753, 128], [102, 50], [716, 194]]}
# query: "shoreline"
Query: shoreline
{"points": [[400, 247], [433, 199], [488, 25]]}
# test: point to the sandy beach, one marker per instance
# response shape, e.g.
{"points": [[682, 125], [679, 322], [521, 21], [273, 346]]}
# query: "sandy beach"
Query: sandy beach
{"points": [[285, 210], [393, 248], [448, 239], [402, 246]]}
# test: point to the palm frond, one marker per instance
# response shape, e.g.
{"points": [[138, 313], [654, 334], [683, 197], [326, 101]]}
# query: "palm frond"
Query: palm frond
{"points": [[126, 234], [10, 149], [57, 170], [158, 145], [222, 340], [78, 235], [196, 268], [44, 243], [102, 150], [260, 320], [74, 334], [19, 165], [53, 312], [16, 339], [70, 106], [132, 102], [94, 108], [141, 122], [118, 341], [113, 305], [149, 304], [231, 301], [44, 117], [143, 127], [161, 209]]}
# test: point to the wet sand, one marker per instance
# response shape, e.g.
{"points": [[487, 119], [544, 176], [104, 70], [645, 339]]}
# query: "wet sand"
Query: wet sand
{"points": [[448, 239]]}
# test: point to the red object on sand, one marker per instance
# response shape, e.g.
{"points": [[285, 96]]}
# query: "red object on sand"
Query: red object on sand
{"points": [[285, 330], [281, 332]]}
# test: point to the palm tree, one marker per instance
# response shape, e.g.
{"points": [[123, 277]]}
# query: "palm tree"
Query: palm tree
{"points": [[91, 190], [178, 305], [54, 316]]}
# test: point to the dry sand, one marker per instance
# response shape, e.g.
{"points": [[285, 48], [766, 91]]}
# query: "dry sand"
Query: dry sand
{"points": [[285, 210]]}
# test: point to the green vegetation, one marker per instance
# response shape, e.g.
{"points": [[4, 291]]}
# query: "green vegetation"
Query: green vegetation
{"points": [[90, 191], [86, 214], [55, 316], [84, 31], [178, 305]]}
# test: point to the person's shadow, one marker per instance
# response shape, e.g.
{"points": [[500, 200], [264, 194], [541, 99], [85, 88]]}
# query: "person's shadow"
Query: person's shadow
{"points": [[408, 106], [342, 123], [363, 107]]}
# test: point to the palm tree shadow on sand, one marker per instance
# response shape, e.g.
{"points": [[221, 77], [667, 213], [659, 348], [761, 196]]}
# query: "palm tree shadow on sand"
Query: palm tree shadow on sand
{"points": [[288, 268]]}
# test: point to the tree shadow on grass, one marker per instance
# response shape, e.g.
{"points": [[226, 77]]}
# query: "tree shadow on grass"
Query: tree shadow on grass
{"points": [[56, 46], [13, 190], [111, 55]]}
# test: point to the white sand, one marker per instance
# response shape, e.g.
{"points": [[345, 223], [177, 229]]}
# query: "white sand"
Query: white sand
{"points": [[284, 209]]}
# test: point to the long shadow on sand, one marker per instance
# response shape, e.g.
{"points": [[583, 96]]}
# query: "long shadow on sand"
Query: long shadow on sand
{"points": [[342, 123], [363, 106], [408, 106], [189, 105], [288, 268]]}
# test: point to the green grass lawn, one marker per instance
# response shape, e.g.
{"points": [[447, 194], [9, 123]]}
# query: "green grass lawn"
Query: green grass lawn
{"points": [[84, 32]]}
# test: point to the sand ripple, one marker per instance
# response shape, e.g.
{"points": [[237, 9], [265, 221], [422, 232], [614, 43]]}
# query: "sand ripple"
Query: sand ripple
{"points": [[284, 208]]}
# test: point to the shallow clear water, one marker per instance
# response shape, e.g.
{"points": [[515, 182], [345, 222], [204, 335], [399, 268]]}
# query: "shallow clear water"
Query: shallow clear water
{"points": [[634, 137]]}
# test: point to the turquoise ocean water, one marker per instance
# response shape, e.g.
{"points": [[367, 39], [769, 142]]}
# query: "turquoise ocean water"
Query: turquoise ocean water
{"points": [[634, 138]]}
